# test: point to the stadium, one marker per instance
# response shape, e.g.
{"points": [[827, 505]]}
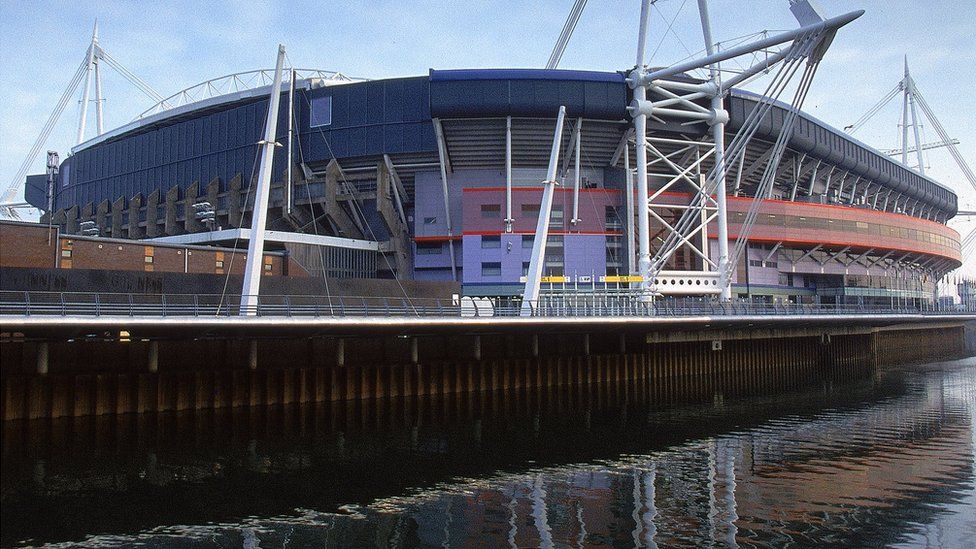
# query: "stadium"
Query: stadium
{"points": [[439, 178]]}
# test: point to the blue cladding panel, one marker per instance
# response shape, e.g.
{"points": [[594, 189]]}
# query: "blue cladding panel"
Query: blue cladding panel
{"points": [[368, 119], [199, 148], [527, 93], [371, 118], [35, 191], [524, 74]]}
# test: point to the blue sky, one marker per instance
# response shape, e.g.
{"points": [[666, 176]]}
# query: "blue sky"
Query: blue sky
{"points": [[172, 45]]}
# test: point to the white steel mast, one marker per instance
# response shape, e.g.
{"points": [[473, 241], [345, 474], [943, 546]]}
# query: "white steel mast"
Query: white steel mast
{"points": [[533, 279], [718, 137], [262, 192], [640, 134], [89, 67]]}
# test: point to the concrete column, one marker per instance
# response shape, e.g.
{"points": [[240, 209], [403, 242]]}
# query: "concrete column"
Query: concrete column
{"points": [[42, 358], [586, 344], [117, 208], [252, 356], [102, 220], [170, 226], [623, 344], [152, 214], [535, 345], [153, 358], [235, 206], [132, 229], [190, 223], [414, 351], [341, 352], [476, 347]]}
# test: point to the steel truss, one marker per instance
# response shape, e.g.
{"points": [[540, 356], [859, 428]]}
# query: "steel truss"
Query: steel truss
{"points": [[659, 96], [238, 82]]}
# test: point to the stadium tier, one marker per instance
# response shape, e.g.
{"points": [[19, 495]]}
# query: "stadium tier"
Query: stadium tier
{"points": [[407, 177]]}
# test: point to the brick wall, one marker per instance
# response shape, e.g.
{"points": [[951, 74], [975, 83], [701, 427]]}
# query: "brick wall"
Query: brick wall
{"points": [[26, 246]]}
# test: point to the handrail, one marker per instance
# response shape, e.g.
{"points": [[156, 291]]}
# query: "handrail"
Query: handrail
{"points": [[74, 304]]}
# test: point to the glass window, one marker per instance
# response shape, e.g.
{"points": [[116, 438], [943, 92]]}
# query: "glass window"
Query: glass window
{"points": [[491, 242], [491, 211], [429, 248], [321, 114], [528, 241], [525, 268], [530, 210], [556, 217], [491, 268], [430, 220], [612, 218]]}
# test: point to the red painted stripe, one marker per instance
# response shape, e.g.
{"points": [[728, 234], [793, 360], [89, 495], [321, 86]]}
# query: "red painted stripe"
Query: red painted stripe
{"points": [[537, 189], [436, 238], [562, 233], [856, 246]]}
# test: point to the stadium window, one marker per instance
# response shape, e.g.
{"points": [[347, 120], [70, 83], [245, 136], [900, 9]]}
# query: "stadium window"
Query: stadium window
{"points": [[492, 268], [530, 210], [430, 220], [528, 241], [491, 211], [491, 241], [556, 217], [525, 268], [429, 248], [321, 114]]}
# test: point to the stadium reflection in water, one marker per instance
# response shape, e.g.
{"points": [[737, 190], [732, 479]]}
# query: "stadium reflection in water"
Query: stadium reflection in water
{"points": [[887, 460]]}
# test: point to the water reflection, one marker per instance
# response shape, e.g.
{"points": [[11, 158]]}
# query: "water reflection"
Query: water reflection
{"points": [[889, 460]]}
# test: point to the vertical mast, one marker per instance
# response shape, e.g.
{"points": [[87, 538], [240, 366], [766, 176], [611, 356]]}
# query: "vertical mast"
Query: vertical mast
{"points": [[718, 137], [904, 117], [577, 137], [262, 191], [508, 175], [83, 117], [910, 90], [640, 135], [629, 219], [100, 124], [289, 199]]}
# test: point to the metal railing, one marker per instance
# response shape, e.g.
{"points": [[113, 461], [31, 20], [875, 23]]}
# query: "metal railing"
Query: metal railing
{"points": [[76, 304]]}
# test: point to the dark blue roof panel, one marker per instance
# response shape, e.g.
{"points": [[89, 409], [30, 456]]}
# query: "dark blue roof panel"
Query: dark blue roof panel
{"points": [[528, 93], [525, 74]]}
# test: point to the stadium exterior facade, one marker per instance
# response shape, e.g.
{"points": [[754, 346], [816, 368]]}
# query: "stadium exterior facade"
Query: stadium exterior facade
{"points": [[407, 176]]}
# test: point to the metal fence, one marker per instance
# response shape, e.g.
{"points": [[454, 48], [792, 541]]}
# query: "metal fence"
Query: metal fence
{"points": [[203, 305]]}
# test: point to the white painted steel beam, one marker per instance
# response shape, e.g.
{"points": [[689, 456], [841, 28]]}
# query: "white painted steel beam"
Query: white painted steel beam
{"points": [[445, 165], [253, 270], [533, 279]]}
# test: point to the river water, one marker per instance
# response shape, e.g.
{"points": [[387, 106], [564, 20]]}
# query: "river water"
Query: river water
{"points": [[882, 461]]}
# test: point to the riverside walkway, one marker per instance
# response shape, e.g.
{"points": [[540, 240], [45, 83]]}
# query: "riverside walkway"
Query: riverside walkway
{"points": [[69, 313]]}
